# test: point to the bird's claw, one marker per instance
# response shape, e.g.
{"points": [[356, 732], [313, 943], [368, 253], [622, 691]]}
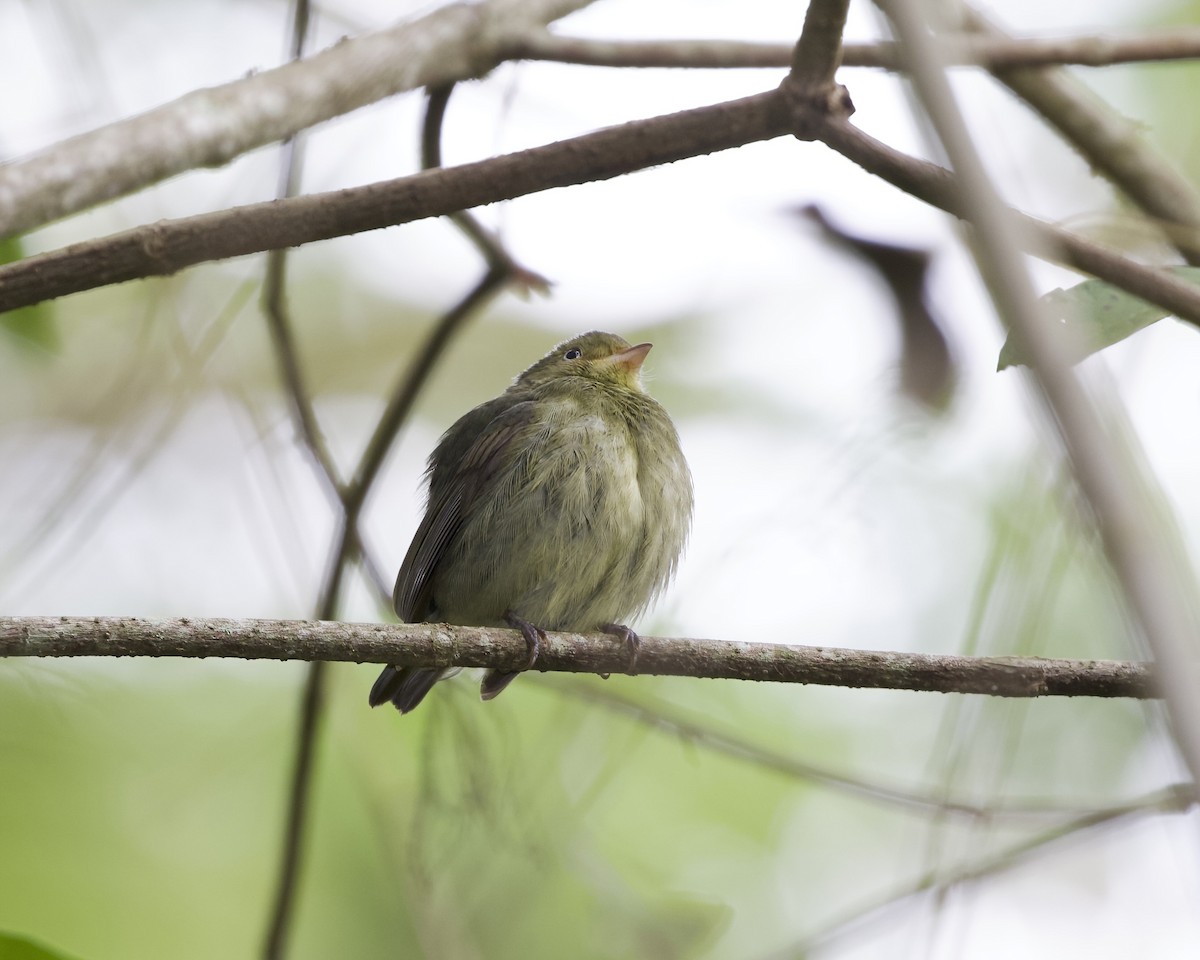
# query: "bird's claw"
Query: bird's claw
{"points": [[534, 636], [629, 640]]}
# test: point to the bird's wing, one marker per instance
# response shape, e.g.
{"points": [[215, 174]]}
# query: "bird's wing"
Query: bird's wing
{"points": [[460, 475]]}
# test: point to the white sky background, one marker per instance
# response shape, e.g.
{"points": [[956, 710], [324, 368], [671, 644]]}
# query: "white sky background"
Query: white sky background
{"points": [[858, 518]]}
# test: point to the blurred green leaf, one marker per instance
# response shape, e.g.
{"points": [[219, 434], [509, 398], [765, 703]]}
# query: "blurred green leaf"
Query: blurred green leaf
{"points": [[18, 948], [1098, 313], [30, 326]]}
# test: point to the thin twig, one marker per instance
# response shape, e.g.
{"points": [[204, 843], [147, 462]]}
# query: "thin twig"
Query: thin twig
{"points": [[312, 712], [963, 50], [487, 243], [1173, 799], [502, 269], [448, 645], [664, 719], [312, 700], [347, 545]]}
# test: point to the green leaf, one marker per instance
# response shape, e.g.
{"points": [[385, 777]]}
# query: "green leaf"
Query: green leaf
{"points": [[1099, 314], [29, 326], [18, 948]]}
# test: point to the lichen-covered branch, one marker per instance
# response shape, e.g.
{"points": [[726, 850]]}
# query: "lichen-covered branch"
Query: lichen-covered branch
{"points": [[444, 645]]}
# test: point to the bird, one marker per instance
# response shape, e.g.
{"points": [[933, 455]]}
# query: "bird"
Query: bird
{"points": [[563, 504]]}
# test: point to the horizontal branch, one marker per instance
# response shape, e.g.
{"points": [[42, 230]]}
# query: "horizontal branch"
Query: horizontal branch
{"points": [[967, 50], [443, 645]]}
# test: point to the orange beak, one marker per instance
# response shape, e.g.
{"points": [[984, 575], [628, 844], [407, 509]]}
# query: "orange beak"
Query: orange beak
{"points": [[630, 360]]}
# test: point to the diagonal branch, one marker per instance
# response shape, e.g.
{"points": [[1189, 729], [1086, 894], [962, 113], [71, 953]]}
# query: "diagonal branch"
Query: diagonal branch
{"points": [[1178, 798], [446, 645], [209, 128], [670, 720], [1140, 537], [1111, 144], [936, 186], [168, 246]]}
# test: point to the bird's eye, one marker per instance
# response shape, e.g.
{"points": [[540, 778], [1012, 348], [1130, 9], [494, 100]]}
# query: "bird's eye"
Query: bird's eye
{"points": [[573, 354]]}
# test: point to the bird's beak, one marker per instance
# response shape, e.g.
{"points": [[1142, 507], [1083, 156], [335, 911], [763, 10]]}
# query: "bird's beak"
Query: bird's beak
{"points": [[629, 360]]}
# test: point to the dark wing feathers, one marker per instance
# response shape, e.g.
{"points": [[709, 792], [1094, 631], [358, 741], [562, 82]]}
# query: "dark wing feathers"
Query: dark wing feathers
{"points": [[461, 470]]}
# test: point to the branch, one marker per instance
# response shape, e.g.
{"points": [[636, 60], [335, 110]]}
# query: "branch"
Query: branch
{"points": [[675, 723], [1112, 144], [311, 713], [961, 50], [446, 645], [209, 128], [818, 52], [936, 186], [171, 245], [166, 247], [1177, 798]]}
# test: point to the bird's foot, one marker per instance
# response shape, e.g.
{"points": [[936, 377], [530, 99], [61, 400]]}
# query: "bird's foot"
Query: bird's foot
{"points": [[494, 681], [629, 640], [534, 636]]}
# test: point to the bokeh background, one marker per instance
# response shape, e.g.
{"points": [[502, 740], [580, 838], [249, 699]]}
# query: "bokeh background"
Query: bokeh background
{"points": [[149, 467]]}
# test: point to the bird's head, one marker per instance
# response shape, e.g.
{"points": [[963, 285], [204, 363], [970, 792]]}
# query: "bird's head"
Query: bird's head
{"points": [[601, 357]]}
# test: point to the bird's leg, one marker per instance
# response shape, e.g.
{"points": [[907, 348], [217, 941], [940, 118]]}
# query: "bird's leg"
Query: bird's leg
{"points": [[533, 636], [495, 681], [629, 640]]}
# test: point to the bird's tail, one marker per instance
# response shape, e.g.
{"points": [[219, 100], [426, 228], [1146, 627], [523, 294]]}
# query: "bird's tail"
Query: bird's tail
{"points": [[406, 687]]}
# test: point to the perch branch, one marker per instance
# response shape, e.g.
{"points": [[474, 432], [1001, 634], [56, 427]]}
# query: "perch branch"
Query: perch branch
{"points": [[444, 645]]}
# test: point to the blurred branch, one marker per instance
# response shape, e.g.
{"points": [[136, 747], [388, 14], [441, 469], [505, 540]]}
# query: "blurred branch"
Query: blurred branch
{"points": [[503, 270], [487, 243], [312, 712], [1140, 537], [667, 720], [279, 324], [447, 645], [818, 52], [1178, 798], [348, 544], [1110, 143], [209, 128], [312, 699], [1181, 43]]}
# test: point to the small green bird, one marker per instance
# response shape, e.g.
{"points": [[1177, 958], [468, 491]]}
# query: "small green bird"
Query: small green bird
{"points": [[563, 504]]}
